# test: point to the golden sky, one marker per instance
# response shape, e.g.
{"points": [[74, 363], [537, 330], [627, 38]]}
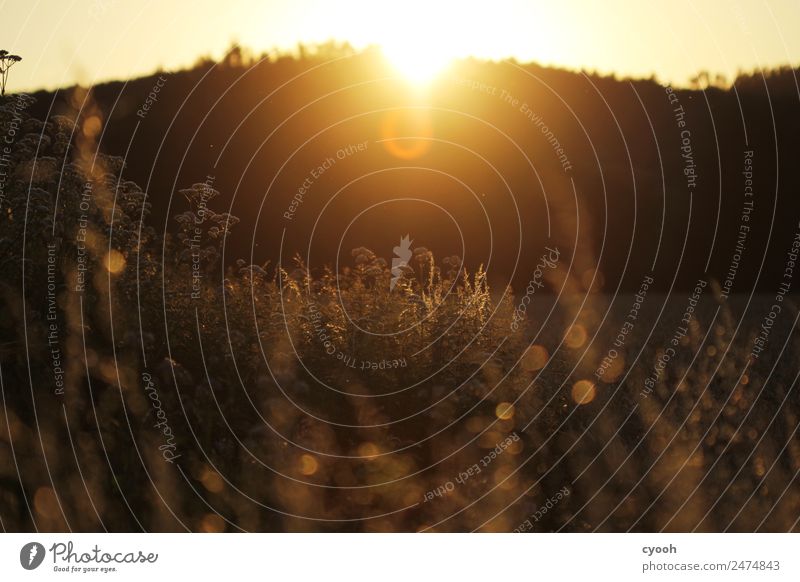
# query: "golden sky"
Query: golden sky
{"points": [[68, 41]]}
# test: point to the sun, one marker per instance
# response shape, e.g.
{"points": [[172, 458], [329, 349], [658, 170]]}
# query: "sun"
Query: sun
{"points": [[420, 40], [415, 61]]}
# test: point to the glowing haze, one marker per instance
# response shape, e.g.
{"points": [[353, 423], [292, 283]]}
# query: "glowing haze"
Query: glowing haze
{"points": [[92, 40]]}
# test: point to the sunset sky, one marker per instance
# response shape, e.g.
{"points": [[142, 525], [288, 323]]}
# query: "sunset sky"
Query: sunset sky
{"points": [[88, 41]]}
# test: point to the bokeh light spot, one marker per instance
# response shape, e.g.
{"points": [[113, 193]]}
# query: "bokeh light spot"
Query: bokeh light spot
{"points": [[576, 336], [368, 450], [535, 358], [308, 465], [583, 392], [114, 262], [504, 411]]}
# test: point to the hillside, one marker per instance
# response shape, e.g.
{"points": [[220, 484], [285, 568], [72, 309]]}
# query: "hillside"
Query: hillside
{"points": [[623, 204]]}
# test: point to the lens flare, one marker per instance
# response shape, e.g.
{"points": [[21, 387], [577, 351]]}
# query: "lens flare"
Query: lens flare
{"points": [[420, 39], [406, 133], [415, 61]]}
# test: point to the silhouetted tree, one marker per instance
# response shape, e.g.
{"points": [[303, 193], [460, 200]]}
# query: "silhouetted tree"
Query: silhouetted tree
{"points": [[6, 62]]}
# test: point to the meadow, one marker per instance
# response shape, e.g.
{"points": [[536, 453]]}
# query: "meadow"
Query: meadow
{"points": [[150, 382]]}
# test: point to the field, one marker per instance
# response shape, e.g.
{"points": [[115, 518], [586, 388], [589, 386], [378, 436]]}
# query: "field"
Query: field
{"points": [[150, 382]]}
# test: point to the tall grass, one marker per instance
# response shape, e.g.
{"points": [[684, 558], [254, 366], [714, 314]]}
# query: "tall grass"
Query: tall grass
{"points": [[303, 399]]}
